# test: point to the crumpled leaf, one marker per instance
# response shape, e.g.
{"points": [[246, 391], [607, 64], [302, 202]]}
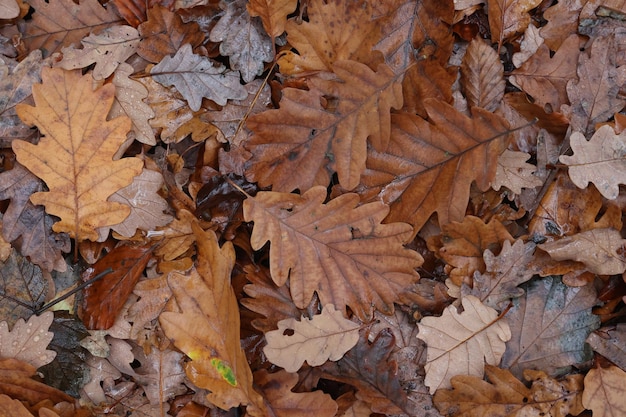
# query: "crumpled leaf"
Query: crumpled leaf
{"points": [[331, 248], [273, 14], [331, 121], [460, 344], [243, 40], [604, 392], [18, 383], [282, 402], [108, 49], [196, 77], [27, 341], [514, 172], [207, 328], [482, 76], [601, 250], [78, 139], [599, 160], [325, 336], [549, 325], [508, 17], [58, 23]]}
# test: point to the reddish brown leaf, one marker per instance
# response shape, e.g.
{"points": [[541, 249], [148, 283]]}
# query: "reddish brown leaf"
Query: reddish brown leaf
{"points": [[16, 381], [134, 11], [103, 300], [272, 13], [482, 76]]}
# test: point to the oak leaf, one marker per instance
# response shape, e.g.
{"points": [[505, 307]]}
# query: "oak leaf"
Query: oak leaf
{"points": [[604, 392], [514, 172], [27, 341], [207, 328], [460, 344], [601, 250], [610, 343], [508, 18], [325, 336], [18, 380], [22, 288], [196, 77], [273, 14], [282, 402], [549, 325], [482, 76], [74, 157], [327, 125], [9, 406], [110, 48], [243, 40], [153, 296], [599, 160], [562, 22], [337, 249], [528, 46], [58, 23], [9, 9], [429, 165]]}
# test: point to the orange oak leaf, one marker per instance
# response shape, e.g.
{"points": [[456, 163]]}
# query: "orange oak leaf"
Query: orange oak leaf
{"points": [[74, 157], [207, 327], [326, 126], [337, 249], [273, 13], [430, 165], [509, 17], [482, 76], [604, 393]]}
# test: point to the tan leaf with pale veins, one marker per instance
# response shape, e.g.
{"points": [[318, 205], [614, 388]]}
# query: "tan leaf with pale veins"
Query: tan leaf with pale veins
{"points": [[482, 76], [337, 249], [460, 344], [604, 392], [107, 50], [601, 250], [9, 9], [273, 13], [27, 341], [601, 160], [74, 156], [514, 172], [207, 327], [325, 336]]}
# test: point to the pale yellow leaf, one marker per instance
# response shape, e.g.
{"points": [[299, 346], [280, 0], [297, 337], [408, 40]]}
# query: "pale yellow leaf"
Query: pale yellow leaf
{"points": [[28, 340], [604, 392]]}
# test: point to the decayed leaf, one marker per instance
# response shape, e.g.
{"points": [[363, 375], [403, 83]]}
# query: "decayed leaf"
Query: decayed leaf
{"points": [[58, 23], [429, 166], [545, 78], [196, 77], [460, 344], [79, 141], [509, 17], [514, 172], [337, 249], [503, 274], [273, 14], [282, 402], [601, 250], [108, 49], [28, 341], [17, 382], [325, 336], [335, 31], [327, 125], [482, 76], [129, 95], [22, 288], [549, 325], [604, 392], [599, 160], [610, 343], [207, 328], [243, 40]]}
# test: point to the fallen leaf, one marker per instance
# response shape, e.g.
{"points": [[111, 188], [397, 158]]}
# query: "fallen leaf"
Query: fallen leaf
{"points": [[196, 77], [343, 245], [22, 288], [508, 18], [610, 343], [9, 9], [528, 46], [515, 173], [135, 11], [273, 14], [460, 344], [599, 160], [19, 383], [562, 20], [603, 393], [110, 48], [10, 407], [549, 325], [482, 76], [77, 139], [153, 296], [325, 336], [27, 341]]}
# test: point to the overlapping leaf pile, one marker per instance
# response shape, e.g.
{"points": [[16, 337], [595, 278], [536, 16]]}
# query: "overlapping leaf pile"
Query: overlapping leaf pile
{"points": [[312, 208]]}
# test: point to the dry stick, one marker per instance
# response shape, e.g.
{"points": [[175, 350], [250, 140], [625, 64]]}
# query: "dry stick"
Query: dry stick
{"points": [[74, 291]]}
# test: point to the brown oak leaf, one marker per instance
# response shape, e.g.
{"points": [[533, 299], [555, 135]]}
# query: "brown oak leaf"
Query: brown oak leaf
{"points": [[515, 173], [273, 14], [604, 393], [508, 18], [482, 76], [27, 341]]}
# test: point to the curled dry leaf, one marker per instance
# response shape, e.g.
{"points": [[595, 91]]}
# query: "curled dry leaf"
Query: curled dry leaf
{"points": [[325, 336], [459, 344]]}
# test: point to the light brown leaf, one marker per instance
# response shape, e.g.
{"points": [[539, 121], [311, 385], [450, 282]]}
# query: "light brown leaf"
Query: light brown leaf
{"points": [[273, 13], [325, 336], [482, 76], [528, 46], [604, 392], [337, 249], [207, 328], [509, 17], [562, 20], [153, 296], [18, 381], [601, 250], [12, 408], [514, 172], [328, 124], [600, 160], [74, 157], [611, 343], [27, 341], [460, 344], [9, 9]]}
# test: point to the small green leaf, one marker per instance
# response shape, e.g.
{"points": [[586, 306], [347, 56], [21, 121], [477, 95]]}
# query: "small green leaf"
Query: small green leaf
{"points": [[225, 371]]}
